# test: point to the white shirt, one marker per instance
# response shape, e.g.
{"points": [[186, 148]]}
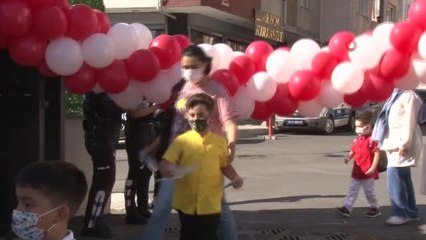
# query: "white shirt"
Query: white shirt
{"points": [[404, 131], [70, 236]]}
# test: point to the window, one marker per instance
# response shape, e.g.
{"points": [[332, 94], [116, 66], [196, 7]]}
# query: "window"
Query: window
{"points": [[376, 10], [304, 3], [391, 13], [365, 7], [198, 37], [236, 45]]}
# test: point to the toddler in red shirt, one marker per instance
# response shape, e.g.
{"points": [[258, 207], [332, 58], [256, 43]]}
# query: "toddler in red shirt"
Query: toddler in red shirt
{"points": [[365, 153]]}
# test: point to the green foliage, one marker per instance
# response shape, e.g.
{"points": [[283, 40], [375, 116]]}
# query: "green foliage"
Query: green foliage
{"points": [[97, 4], [74, 102]]}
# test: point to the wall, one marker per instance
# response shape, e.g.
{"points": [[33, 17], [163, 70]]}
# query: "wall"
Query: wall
{"points": [[330, 11], [307, 18], [116, 4], [75, 152]]}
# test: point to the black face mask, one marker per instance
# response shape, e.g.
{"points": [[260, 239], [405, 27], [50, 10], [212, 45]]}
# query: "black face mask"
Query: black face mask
{"points": [[199, 125]]}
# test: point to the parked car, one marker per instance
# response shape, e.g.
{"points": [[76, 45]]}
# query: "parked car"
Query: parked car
{"points": [[328, 120]]}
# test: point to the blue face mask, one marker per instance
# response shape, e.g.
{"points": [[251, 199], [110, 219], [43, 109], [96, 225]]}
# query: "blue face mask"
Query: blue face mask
{"points": [[24, 225]]}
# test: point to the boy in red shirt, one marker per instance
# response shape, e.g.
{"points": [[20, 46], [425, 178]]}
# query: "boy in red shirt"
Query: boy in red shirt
{"points": [[365, 153]]}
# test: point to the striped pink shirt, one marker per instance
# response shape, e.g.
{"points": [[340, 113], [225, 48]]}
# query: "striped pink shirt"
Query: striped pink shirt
{"points": [[224, 108]]}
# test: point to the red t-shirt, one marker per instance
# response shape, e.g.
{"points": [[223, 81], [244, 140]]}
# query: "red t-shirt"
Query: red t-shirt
{"points": [[364, 148]]}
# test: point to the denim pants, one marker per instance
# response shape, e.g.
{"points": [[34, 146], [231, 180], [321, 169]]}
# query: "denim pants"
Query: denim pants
{"points": [[401, 192], [163, 208]]}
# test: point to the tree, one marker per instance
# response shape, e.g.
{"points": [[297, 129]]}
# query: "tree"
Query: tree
{"points": [[74, 102], [97, 4]]}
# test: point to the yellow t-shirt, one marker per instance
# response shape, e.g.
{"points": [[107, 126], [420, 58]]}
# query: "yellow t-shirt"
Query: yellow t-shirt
{"points": [[200, 192]]}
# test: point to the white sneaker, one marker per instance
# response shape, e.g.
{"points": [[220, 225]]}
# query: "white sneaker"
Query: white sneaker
{"points": [[396, 220]]}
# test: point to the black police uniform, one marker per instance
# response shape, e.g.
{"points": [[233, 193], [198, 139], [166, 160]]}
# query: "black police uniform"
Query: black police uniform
{"points": [[102, 122], [140, 132]]}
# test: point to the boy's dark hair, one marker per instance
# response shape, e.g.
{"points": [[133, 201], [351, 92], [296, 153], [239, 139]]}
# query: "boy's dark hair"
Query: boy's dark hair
{"points": [[61, 182], [200, 99], [195, 51], [366, 117]]}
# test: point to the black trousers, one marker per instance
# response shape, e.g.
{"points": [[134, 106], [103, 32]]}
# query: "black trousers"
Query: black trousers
{"points": [[199, 227], [101, 143], [139, 134]]}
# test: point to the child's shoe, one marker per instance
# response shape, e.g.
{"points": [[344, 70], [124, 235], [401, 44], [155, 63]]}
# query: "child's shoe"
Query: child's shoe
{"points": [[373, 212], [344, 211]]}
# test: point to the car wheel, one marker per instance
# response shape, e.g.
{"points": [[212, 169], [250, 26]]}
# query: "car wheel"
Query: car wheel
{"points": [[329, 125]]}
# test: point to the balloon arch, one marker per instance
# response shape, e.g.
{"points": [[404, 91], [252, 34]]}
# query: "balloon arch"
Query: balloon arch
{"points": [[78, 43]]}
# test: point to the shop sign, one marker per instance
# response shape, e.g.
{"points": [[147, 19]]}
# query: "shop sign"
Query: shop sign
{"points": [[269, 26]]}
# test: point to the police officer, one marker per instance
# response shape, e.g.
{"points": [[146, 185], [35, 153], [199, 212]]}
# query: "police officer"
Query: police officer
{"points": [[102, 122], [140, 132]]}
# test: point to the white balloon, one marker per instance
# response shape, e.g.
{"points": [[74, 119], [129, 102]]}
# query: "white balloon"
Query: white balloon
{"points": [[243, 103], [278, 66], [347, 78], [325, 49], [302, 53], [238, 53], [225, 54], [211, 52], [419, 68], [158, 90], [129, 98], [144, 35], [261, 87], [64, 56], [174, 74], [98, 50], [366, 52], [415, 75], [310, 108], [381, 35], [125, 40], [329, 96], [422, 46]]}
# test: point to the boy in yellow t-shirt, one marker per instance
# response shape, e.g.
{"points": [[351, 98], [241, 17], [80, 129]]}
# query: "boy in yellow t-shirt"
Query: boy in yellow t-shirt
{"points": [[198, 194]]}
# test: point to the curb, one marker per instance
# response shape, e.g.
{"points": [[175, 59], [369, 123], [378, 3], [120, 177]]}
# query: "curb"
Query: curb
{"points": [[250, 131]]}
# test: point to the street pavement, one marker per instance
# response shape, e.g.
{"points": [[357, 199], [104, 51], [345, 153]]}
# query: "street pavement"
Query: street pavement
{"points": [[293, 185]]}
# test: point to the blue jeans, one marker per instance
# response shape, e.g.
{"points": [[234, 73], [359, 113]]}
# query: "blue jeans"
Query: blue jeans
{"points": [[401, 192], [163, 208]]}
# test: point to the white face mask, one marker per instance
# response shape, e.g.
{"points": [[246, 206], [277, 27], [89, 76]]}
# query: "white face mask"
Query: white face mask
{"points": [[193, 75], [362, 130], [24, 225]]}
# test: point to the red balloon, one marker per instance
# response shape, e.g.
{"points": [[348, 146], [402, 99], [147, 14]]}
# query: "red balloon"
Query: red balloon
{"points": [[103, 21], [243, 68], [227, 79], [36, 4], [15, 17], [167, 50], [356, 99], [258, 52], [261, 111], [183, 41], [82, 81], [27, 50], [50, 22], [405, 36], [282, 103], [416, 13], [323, 64], [114, 78], [304, 85], [143, 65], [394, 65], [62, 4], [45, 71], [339, 44], [376, 88], [4, 42], [82, 22]]}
